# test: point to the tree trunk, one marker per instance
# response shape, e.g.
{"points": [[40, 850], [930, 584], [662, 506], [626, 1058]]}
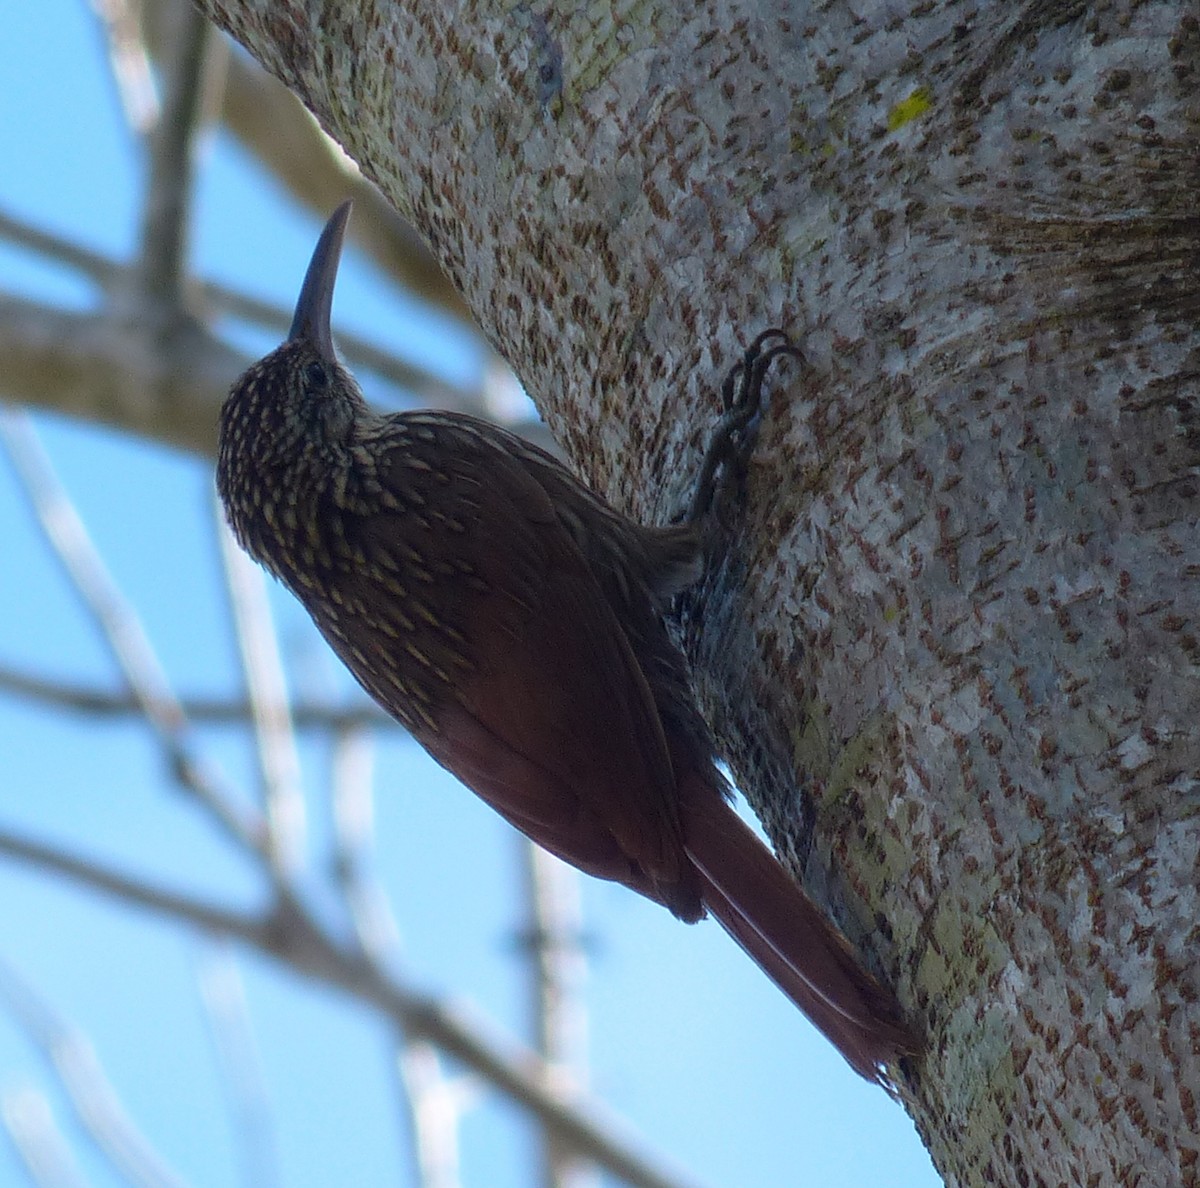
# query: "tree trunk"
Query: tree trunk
{"points": [[954, 655]]}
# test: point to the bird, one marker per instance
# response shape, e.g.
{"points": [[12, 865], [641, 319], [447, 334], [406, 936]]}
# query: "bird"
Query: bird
{"points": [[514, 623]]}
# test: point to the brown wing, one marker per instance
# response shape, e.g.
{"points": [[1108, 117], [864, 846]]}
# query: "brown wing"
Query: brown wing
{"points": [[551, 721]]}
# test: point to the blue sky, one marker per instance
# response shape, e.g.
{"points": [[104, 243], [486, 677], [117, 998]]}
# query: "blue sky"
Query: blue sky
{"points": [[688, 1042]]}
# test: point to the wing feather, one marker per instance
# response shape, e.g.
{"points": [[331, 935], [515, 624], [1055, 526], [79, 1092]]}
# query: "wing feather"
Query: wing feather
{"points": [[556, 728]]}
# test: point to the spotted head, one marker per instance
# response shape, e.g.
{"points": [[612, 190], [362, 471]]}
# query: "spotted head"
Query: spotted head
{"points": [[288, 420]]}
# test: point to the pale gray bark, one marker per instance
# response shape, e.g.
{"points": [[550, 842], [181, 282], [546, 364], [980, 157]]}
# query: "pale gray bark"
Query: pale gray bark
{"points": [[955, 660]]}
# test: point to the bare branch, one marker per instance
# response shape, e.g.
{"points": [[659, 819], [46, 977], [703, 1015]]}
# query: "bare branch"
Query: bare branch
{"points": [[128, 62], [37, 1139], [94, 265], [100, 369], [353, 805], [101, 703], [554, 943], [290, 937], [168, 383], [423, 1087], [88, 1089], [517, 1072], [110, 275], [228, 1015], [274, 736], [163, 264], [132, 892], [276, 129], [168, 387], [437, 1105], [122, 631]]}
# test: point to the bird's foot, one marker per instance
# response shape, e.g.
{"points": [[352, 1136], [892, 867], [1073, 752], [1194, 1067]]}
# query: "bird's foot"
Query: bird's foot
{"points": [[732, 442]]}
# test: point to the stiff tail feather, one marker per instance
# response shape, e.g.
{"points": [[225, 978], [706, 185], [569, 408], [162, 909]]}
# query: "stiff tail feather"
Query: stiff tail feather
{"points": [[772, 919]]}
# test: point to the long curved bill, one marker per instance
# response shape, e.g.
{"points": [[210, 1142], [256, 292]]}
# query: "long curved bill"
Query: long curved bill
{"points": [[314, 307]]}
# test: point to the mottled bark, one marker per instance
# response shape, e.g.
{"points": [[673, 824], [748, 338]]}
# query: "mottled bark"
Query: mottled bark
{"points": [[955, 660]]}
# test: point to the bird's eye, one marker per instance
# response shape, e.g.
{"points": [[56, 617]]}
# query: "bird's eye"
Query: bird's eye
{"points": [[316, 374]]}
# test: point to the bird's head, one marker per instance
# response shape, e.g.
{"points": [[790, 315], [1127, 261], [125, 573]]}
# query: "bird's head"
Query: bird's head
{"points": [[298, 404]]}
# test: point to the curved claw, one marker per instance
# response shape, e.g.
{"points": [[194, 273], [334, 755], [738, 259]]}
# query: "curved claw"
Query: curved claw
{"points": [[755, 359], [732, 440]]}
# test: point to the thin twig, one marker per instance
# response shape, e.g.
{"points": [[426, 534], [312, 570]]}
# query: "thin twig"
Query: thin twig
{"points": [[228, 1016], [86, 699], [274, 736], [165, 212], [121, 629], [288, 145], [585, 1127], [131, 891], [128, 62], [39, 1143], [112, 276], [352, 802], [554, 942], [430, 1100], [88, 1089], [437, 1102], [289, 936], [100, 269]]}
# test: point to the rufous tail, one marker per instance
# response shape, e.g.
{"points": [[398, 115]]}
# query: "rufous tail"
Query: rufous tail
{"points": [[772, 919]]}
